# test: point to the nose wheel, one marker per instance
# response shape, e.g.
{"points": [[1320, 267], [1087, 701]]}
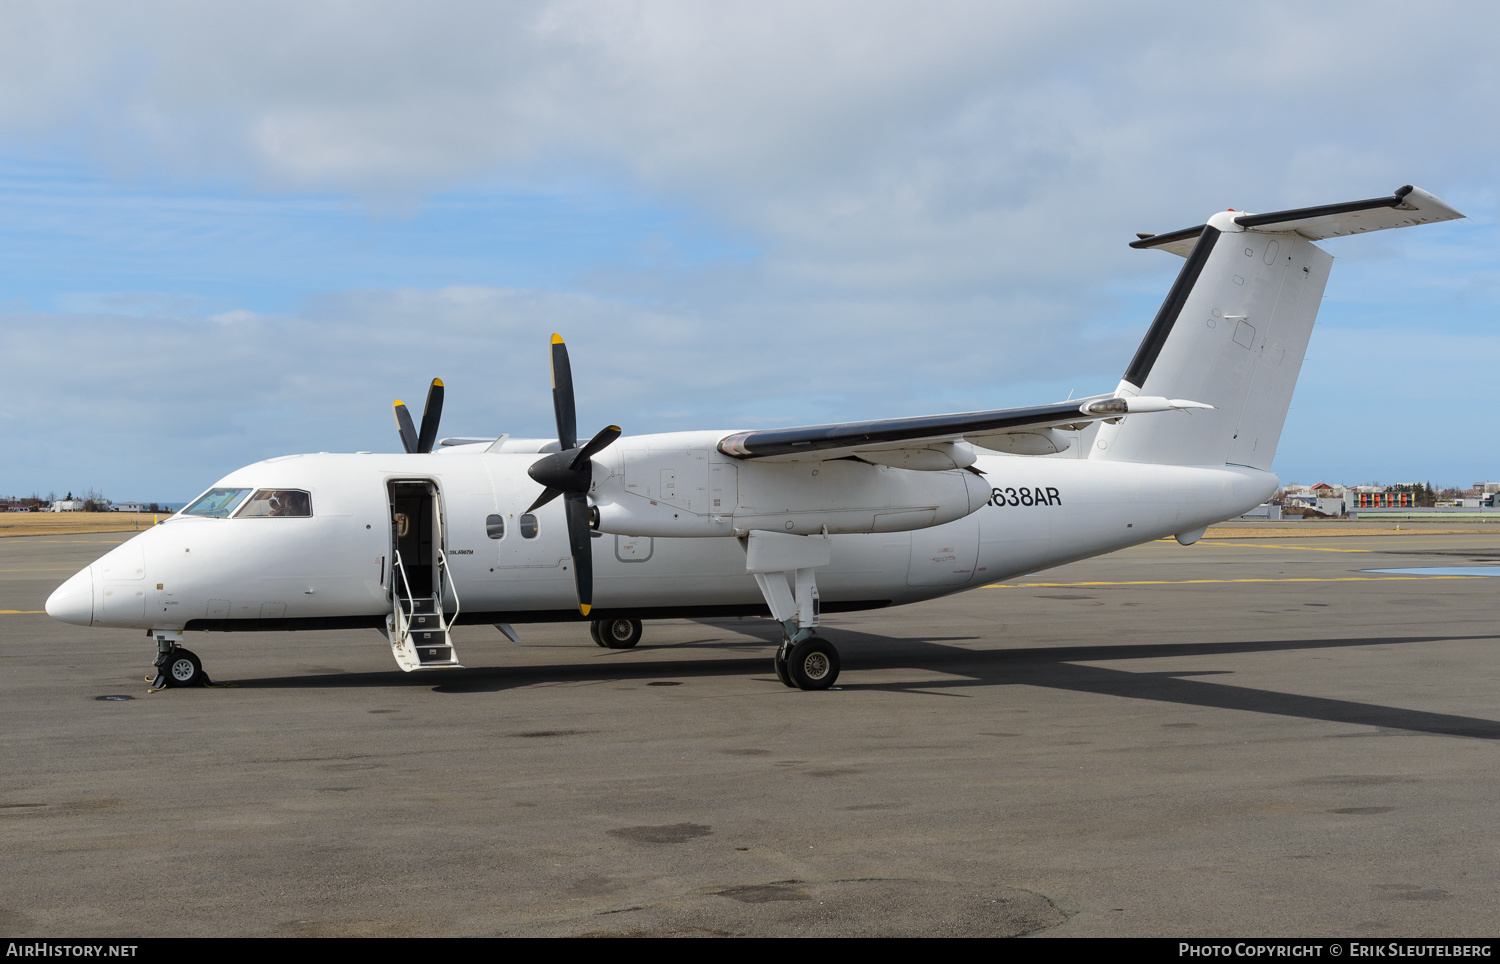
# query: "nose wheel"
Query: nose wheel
{"points": [[182, 667], [176, 666]]}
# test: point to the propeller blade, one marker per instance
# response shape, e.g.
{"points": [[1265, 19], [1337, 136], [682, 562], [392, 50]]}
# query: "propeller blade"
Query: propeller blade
{"points": [[431, 412], [598, 443], [562, 395], [548, 494], [405, 427], [577, 506]]}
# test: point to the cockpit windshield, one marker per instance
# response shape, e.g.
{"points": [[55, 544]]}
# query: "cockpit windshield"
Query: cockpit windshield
{"points": [[216, 503], [277, 504]]}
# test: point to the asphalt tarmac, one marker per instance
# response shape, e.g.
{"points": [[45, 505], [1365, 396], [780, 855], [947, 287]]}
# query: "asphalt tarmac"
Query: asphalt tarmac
{"points": [[1239, 738]]}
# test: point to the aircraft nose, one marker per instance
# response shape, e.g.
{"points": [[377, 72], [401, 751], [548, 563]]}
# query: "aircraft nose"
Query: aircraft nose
{"points": [[73, 601]]}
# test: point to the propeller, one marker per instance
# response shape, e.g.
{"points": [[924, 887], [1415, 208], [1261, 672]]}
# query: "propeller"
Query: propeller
{"points": [[569, 473], [431, 412]]}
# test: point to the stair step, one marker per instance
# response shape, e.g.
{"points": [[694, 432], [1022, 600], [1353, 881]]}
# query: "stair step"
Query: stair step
{"points": [[426, 633], [430, 655]]}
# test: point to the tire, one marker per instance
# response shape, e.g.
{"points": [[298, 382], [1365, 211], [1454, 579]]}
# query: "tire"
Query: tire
{"points": [[620, 633], [596, 633], [814, 664], [782, 673], [182, 669]]}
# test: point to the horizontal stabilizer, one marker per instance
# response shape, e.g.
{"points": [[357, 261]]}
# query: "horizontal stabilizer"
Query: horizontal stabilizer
{"points": [[1405, 207]]}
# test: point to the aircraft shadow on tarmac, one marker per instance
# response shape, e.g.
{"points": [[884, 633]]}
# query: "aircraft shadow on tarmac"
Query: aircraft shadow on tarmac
{"points": [[964, 668]]}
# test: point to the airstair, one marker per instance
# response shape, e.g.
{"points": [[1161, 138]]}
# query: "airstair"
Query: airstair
{"points": [[418, 627]]}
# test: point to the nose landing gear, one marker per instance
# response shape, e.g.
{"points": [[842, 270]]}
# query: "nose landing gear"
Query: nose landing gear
{"points": [[175, 666]]}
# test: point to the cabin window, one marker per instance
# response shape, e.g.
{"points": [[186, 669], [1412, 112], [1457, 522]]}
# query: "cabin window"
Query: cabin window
{"points": [[216, 503], [528, 526], [277, 504], [494, 526]]}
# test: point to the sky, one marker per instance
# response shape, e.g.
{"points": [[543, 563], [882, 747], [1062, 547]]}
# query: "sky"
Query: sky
{"points": [[233, 231]]}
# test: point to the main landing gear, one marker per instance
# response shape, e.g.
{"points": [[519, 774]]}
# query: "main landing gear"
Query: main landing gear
{"points": [[176, 666], [616, 633], [783, 567]]}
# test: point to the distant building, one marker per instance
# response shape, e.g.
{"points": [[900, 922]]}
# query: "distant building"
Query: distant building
{"points": [[1322, 498], [129, 507], [1384, 500], [65, 505]]}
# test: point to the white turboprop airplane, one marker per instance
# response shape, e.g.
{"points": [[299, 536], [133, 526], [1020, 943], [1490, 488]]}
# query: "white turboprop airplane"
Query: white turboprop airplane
{"points": [[782, 522]]}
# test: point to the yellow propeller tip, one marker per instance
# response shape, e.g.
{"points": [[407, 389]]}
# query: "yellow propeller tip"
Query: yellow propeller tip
{"points": [[438, 382], [584, 608], [556, 338], [398, 404]]}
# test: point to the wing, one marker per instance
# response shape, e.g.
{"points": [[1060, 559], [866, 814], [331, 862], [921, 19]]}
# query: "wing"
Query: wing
{"points": [[1406, 206], [932, 442]]}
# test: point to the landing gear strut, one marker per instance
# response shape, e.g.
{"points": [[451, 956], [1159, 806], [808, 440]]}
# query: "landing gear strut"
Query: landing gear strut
{"points": [[616, 633], [176, 666]]}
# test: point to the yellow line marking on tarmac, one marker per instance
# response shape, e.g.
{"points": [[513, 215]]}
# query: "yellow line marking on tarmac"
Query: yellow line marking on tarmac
{"points": [[1244, 545], [1253, 545], [21, 612], [1198, 582], [69, 569]]}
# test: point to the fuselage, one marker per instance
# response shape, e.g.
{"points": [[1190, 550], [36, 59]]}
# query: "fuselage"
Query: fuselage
{"points": [[334, 567]]}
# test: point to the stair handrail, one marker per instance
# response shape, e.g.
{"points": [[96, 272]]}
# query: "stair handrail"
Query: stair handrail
{"points": [[448, 585], [401, 616]]}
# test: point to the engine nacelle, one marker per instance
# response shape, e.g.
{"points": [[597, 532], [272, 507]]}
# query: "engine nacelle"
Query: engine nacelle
{"points": [[699, 492]]}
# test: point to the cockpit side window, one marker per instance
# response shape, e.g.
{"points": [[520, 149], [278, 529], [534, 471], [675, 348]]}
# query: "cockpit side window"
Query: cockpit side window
{"points": [[216, 503], [277, 504]]}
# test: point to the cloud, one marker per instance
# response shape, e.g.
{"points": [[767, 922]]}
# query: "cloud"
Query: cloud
{"points": [[161, 398], [926, 114], [928, 204]]}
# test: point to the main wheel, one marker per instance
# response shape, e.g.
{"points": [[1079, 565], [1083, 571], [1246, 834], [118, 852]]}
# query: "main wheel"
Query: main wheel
{"points": [[183, 668], [620, 633], [595, 634], [782, 672], [814, 664]]}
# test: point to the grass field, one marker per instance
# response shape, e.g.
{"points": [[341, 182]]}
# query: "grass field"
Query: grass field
{"points": [[64, 523]]}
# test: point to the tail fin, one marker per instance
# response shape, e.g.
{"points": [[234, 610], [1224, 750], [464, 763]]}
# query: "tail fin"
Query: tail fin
{"points": [[1234, 328]]}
